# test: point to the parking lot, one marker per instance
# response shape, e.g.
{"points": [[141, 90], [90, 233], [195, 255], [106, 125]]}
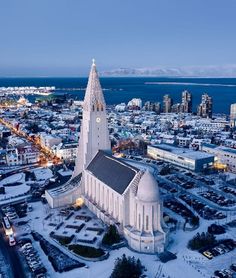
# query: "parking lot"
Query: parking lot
{"points": [[167, 188], [226, 272], [228, 189], [202, 209], [32, 258], [217, 199], [179, 208], [182, 182], [220, 248], [16, 211]]}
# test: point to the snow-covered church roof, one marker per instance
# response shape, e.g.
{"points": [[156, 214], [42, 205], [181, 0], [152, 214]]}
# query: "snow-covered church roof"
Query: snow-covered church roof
{"points": [[148, 190]]}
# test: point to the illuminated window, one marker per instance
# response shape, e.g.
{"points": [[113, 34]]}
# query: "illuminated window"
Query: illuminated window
{"points": [[79, 202]]}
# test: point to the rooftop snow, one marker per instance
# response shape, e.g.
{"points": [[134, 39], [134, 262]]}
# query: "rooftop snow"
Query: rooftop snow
{"points": [[183, 152]]}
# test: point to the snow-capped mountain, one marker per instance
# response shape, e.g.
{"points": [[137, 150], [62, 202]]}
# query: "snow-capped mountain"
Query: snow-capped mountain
{"points": [[207, 71]]}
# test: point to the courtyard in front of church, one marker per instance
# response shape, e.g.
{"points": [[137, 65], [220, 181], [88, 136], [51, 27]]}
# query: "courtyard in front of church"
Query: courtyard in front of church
{"points": [[88, 230], [79, 223]]}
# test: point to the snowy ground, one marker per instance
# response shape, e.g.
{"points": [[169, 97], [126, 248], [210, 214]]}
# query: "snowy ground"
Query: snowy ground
{"points": [[42, 173], [14, 190], [13, 179], [44, 226], [188, 263], [65, 173]]}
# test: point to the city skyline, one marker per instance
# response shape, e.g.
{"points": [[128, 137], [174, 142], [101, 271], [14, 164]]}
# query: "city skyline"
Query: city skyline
{"points": [[106, 181], [59, 39], [126, 170]]}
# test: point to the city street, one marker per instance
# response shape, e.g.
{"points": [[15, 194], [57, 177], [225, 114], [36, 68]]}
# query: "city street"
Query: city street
{"points": [[11, 256]]}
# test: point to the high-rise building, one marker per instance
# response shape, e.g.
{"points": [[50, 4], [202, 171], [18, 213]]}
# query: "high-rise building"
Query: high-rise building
{"points": [[157, 107], [153, 106], [176, 108], [205, 107], [147, 105], [167, 104], [186, 102], [233, 115]]}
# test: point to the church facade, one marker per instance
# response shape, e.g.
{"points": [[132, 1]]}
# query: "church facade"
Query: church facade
{"points": [[117, 192]]}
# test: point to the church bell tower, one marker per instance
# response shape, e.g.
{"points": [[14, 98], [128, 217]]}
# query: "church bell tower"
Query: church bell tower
{"points": [[94, 135]]}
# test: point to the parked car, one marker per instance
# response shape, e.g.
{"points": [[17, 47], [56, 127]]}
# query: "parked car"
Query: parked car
{"points": [[208, 254], [12, 241]]}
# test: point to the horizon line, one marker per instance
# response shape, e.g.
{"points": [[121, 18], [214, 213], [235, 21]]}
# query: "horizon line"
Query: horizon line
{"points": [[121, 76]]}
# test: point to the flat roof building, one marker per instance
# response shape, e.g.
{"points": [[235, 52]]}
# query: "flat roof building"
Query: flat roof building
{"points": [[192, 160], [223, 155]]}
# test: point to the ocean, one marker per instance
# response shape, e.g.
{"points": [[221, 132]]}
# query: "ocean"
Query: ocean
{"points": [[122, 89]]}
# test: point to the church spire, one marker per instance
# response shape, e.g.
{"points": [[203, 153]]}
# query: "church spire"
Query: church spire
{"points": [[94, 135], [94, 99]]}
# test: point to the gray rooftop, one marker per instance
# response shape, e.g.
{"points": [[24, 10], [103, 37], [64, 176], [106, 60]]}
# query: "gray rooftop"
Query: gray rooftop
{"points": [[221, 148], [112, 171], [183, 151], [66, 187], [230, 150]]}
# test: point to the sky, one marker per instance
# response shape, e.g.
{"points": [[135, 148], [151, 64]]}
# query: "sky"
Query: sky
{"points": [[60, 37]]}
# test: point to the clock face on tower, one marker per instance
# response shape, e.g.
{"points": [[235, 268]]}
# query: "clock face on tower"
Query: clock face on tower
{"points": [[98, 120]]}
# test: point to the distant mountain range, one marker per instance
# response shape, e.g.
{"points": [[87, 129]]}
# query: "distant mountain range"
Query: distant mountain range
{"points": [[207, 71]]}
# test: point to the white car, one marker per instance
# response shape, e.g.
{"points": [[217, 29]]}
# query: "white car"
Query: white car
{"points": [[12, 216], [27, 247], [34, 264]]}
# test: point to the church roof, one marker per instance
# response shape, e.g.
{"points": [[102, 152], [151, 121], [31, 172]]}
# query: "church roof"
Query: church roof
{"points": [[66, 187], [112, 171]]}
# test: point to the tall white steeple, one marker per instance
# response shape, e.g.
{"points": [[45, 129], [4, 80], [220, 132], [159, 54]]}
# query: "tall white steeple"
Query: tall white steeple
{"points": [[94, 133]]}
